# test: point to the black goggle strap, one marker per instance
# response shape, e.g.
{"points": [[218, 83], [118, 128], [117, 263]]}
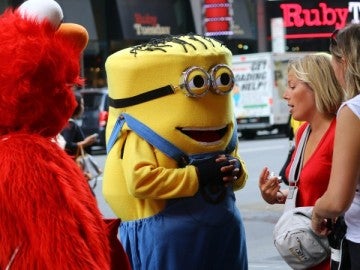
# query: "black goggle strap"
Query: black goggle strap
{"points": [[141, 98]]}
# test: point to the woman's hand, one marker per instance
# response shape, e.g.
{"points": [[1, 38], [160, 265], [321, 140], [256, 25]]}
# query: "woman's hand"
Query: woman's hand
{"points": [[319, 225], [270, 188], [89, 140]]}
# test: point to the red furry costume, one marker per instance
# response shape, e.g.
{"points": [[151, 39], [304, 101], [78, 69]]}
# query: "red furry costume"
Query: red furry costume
{"points": [[48, 217]]}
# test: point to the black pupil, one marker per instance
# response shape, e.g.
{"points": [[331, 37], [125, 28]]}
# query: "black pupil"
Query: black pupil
{"points": [[224, 79], [198, 81]]}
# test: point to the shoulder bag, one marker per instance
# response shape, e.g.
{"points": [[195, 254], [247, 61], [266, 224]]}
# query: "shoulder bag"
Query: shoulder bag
{"points": [[293, 237], [89, 167]]}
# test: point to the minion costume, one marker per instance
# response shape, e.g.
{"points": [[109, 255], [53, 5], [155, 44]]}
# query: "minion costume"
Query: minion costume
{"points": [[170, 119]]}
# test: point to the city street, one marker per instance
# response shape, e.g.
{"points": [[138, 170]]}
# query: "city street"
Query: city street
{"points": [[259, 217]]}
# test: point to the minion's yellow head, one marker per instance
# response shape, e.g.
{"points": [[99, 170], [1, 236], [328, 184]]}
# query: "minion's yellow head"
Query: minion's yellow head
{"points": [[179, 87]]}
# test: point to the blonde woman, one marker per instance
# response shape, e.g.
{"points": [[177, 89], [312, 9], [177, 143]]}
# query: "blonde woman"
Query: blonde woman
{"points": [[313, 95]]}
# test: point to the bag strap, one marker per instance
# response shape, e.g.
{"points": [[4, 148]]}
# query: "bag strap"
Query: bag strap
{"points": [[294, 173], [80, 152], [295, 168]]}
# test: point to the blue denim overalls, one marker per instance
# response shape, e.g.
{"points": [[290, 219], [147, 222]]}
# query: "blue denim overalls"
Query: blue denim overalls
{"points": [[202, 232]]}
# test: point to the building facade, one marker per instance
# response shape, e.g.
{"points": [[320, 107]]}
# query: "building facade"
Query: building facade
{"points": [[245, 26]]}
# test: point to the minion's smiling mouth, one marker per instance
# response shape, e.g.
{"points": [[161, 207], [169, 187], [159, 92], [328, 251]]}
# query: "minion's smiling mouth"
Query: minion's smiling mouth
{"points": [[205, 135]]}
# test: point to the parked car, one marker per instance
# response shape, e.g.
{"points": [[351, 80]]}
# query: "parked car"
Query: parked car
{"points": [[95, 114]]}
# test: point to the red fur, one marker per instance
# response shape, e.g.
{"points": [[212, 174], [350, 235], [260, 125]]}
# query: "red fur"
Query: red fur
{"points": [[46, 207], [37, 72]]}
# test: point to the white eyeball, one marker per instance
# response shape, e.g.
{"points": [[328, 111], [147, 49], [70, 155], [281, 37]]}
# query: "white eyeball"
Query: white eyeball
{"points": [[41, 10]]}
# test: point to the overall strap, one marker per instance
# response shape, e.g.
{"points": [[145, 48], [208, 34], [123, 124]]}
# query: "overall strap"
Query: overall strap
{"points": [[233, 141], [115, 133], [299, 156], [156, 140], [148, 135]]}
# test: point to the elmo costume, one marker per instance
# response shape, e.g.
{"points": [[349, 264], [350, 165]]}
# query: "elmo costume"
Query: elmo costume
{"points": [[49, 218]]}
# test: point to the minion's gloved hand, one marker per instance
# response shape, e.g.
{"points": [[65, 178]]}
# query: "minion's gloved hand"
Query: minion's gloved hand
{"points": [[209, 171], [233, 170]]}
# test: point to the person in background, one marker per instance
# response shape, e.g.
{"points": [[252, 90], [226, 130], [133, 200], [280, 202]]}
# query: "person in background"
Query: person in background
{"points": [[73, 133], [294, 124], [313, 95], [342, 196]]}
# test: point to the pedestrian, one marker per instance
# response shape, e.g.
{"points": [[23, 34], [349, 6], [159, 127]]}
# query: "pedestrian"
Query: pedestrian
{"points": [[342, 196], [313, 95], [172, 165], [73, 135]]}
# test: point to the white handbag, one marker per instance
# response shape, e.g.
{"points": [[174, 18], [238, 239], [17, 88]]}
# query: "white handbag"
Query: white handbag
{"points": [[293, 237]]}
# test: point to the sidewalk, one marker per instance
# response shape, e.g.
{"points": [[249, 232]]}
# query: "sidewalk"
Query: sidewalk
{"points": [[259, 224]]}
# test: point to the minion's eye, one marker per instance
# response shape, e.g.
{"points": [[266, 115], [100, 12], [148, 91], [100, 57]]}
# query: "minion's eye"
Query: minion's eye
{"points": [[195, 81], [222, 79]]}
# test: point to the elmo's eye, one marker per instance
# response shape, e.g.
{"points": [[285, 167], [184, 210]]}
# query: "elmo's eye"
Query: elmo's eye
{"points": [[222, 79], [196, 81]]}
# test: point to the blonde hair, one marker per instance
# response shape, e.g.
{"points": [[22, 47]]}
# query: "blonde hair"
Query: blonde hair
{"points": [[345, 45], [316, 71]]}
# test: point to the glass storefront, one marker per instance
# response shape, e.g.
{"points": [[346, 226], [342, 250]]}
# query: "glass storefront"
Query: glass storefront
{"points": [[117, 24]]}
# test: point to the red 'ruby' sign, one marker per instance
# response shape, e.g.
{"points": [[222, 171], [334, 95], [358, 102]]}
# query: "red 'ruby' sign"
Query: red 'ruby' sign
{"points": [[313, 19], [295, 15]]}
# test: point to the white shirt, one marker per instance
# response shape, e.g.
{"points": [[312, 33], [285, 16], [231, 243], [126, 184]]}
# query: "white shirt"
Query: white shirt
{"points": [[352, 215]]}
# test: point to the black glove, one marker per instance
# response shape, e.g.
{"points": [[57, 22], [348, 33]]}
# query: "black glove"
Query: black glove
{"points": [[209, 171], [237, 165]]}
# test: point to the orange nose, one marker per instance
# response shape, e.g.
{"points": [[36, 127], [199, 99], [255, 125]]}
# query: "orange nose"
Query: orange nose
{"points": [[75, 34]]}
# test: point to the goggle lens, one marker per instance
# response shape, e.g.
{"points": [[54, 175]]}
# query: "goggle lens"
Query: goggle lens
{"points": [[196, 82], [222, 79]]}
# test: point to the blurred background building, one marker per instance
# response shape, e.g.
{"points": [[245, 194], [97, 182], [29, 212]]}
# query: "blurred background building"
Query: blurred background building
{"points": [[245, 26]]}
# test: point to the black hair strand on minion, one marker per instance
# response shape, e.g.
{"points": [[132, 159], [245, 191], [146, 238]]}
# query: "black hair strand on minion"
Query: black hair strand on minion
{"points": [[156, 44]]}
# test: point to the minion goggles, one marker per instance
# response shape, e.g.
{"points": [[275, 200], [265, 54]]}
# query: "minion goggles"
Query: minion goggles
{"points": [[195, 82]]}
